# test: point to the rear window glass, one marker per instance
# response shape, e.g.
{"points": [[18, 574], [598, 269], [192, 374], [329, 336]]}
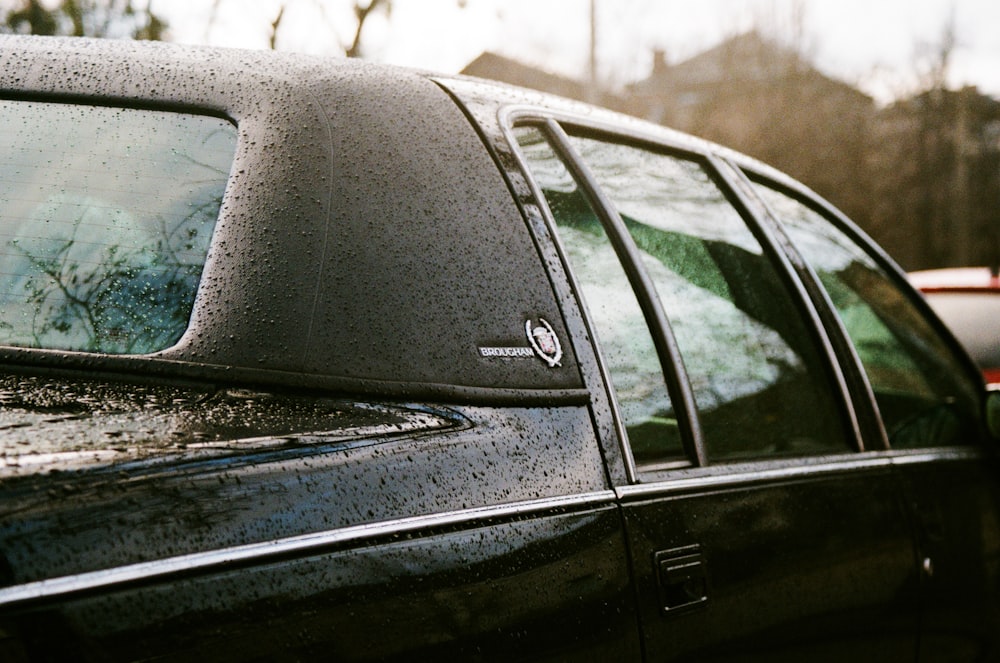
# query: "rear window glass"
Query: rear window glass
{"points": [[106, 215]]}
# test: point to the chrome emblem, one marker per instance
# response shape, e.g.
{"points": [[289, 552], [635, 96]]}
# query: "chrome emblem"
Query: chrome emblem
{"points": [[544, 342]]}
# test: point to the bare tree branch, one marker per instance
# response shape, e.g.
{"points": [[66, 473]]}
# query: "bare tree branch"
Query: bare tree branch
{"points": [[361, 13], [275, 24]]}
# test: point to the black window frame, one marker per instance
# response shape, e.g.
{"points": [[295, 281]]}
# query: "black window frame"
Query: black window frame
{"points": [[862, 391], [730, 179]]}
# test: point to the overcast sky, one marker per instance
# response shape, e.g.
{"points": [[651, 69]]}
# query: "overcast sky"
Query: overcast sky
{"points": [[876, 44]]}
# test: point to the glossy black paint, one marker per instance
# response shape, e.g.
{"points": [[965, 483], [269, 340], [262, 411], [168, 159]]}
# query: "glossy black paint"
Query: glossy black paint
{"points": [[390, 280], [498, 590], [958, 553], [326, 467], [202, 483], [823, 568], [184, 481]]}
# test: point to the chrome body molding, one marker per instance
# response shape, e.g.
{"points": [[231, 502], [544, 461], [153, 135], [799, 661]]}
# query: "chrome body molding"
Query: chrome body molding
{"points": [[306, 544], [938, 455], [722, 476]]}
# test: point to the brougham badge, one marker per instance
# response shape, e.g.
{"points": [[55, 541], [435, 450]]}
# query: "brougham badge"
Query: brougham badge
{"points": [[544, 341]]}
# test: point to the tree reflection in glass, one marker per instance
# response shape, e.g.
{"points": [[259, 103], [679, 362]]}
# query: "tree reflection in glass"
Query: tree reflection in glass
{"points": [[758, 376], [107, 214]]}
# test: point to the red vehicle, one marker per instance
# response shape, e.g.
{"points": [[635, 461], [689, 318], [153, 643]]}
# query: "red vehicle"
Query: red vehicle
{"points": [[968, 300]]}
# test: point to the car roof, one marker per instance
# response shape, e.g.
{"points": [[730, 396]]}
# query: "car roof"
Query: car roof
{"points": [[367, 240]]}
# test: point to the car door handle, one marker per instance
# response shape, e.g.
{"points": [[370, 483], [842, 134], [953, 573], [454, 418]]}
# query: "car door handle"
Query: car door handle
{"points": [[681, 577]]}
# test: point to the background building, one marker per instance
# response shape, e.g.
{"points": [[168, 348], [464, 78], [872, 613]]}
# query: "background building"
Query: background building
{"points": [[922, 176]]}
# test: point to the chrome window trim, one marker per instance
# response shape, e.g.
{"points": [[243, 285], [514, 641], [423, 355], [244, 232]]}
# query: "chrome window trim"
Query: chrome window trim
{"points": [[750, 474], [904, 457], [513, 113], [302, 545], [755, 473]]}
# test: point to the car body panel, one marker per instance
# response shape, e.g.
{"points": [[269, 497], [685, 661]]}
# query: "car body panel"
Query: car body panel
{"points": [[952, 497], [218, 493], [865, 598], [299, 163], [831, 592], [303, 522], [448, 593]]}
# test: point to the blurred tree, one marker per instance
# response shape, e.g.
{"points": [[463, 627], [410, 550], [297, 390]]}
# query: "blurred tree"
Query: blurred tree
{"points": [[32, 18], [351, 46], [762, 96], [83, 18], [362, 10], [937, 159]]}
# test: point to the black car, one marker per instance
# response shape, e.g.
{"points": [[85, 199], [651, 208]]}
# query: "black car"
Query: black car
{"points": [[317, 359]]}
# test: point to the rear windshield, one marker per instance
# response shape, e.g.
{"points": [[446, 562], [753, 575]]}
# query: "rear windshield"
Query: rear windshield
{"points": [[106, 215]]}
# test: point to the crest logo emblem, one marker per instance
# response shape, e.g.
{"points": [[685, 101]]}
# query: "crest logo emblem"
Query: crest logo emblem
{"points": [[544, 341]]}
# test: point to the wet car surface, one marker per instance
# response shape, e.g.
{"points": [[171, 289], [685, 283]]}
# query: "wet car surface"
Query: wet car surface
{"points": [[317, 359]]}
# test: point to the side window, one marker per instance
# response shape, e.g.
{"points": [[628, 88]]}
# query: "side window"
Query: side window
{"points": [[105, 220], [760, 384], [922, 393], [624, 338]]}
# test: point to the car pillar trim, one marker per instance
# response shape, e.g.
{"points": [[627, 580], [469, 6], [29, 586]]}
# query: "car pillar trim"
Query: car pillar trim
{"points": [[797, 277], [678, 383]]}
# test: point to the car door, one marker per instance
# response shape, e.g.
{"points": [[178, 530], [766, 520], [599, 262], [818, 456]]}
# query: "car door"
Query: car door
{"points": [[929, 400], [759, 526]]}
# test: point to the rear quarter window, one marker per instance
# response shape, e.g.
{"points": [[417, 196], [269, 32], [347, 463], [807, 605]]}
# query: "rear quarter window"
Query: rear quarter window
{"points": [[106, 215], [922, 389]]}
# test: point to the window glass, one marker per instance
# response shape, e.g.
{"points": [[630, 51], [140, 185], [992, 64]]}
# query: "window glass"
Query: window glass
{"points": [[760, 384], [920, 386], [105, 220], [625, 340]]}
